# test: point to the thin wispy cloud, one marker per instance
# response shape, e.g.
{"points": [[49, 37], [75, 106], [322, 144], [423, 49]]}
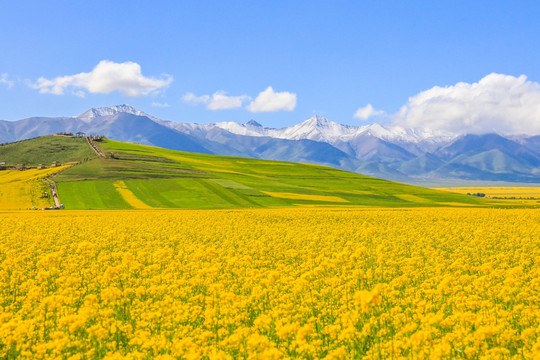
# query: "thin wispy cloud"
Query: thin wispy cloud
{"points": [[160, 105], [108, 76], [4, 80], [79, 93], [217, 101]]}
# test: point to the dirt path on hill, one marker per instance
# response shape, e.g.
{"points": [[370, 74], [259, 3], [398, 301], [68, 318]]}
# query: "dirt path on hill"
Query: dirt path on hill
{"points": [[53, 191], [94, 147]]}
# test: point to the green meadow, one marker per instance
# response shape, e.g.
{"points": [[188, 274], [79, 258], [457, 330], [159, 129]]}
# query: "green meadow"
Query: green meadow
{"points": [[46, 150], [162, 178]]}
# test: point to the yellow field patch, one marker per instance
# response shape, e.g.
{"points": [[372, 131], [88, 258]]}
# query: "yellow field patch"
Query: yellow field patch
{"points": [[24, 189], [413, 198], [457, 204], [362, 192], [294, 196], [129, 196], [188, 160]]}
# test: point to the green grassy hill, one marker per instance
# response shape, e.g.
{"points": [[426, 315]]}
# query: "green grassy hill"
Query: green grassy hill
{"points": [[45, 150], [138, 176]]}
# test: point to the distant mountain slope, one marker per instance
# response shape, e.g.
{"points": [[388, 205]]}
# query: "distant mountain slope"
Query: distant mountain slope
{"points": [[532, 143], [385, 151], [36, 126], [123, 123], [393, 152], [264, 147], [419, 165], [474, 144], [141, 129], [488, 157]]}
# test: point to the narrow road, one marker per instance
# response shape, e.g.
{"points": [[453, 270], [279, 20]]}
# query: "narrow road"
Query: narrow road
{"points": [[53, 191], [97, 151]]}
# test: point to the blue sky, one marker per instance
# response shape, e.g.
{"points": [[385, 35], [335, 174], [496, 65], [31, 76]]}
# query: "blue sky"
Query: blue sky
{"points": [[319, 57]]}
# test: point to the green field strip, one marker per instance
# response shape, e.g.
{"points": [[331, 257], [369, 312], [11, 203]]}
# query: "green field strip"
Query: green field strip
{"points": [[90, 195], [176, 193], [225, 194], [149, 192]]}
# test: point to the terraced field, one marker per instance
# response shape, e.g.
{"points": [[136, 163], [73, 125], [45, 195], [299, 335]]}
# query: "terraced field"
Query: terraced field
{"points": [[160, 178], [133, 176]]}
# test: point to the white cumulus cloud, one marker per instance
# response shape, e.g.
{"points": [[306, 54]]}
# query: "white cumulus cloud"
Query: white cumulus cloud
{"points": [[105, 78], [269, 100], [497, 103], [366, 112], [4, 80], [217, 101]]}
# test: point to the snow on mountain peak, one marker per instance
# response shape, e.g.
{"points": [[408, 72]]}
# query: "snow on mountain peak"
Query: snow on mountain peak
{"points": [[400, 134], [317, 120], [315, 128], [251, 128], [112, 110], [253, 123], [318, 128]]}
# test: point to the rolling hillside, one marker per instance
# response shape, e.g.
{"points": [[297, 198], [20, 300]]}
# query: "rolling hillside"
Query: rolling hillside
{"points": [[46, 150], [139, 176], [133, 176]]}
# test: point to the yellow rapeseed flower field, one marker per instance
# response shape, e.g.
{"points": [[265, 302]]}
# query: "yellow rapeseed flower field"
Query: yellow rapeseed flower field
{"points": [[306, 197], [25, 189], [271, 284]]}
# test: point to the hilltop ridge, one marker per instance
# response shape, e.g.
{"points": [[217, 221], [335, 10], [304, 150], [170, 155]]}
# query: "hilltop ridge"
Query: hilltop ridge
{"points": [[46, 150]]}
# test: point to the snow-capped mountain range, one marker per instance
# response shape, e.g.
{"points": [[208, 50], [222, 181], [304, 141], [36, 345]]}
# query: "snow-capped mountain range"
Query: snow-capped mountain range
{"points": [[318, 128], [390, 152]]}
